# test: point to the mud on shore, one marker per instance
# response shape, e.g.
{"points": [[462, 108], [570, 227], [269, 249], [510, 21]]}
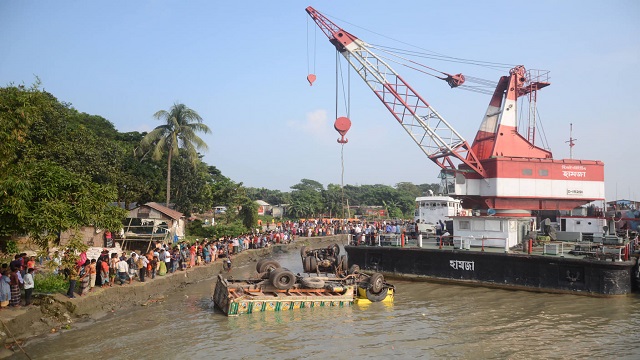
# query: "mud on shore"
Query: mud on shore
{"points": [[56, 312]]}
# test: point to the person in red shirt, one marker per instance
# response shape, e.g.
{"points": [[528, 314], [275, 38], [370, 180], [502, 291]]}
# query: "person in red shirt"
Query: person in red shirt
{"points": [[31, 264], [104, 273]]}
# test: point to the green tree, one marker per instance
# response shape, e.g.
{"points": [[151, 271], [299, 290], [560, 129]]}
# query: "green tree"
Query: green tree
{"points": [[54, 167], [178, 132], [42, 199], [306, 198], [192, 186], [273, 197], [249, 213], [332, 199], [299, 209], [408, 188]]}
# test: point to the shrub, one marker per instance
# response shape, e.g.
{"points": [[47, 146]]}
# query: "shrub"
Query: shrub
{"points": [[50, 283]]}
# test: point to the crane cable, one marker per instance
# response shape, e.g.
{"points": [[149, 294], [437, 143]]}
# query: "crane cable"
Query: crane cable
{"points": [[347, 103], [484, 86], [315, 31], [342, 144], [429, 53]]}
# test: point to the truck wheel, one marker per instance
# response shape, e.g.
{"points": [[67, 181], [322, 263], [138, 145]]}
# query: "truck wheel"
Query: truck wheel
{"points": [[377, 297], [306, 264], [312, 283], [282, 279], [376, 282], [268, 265], [312, 263], [259, 264], [354, 269], [303, 252], [344, 265], [336, 249]]}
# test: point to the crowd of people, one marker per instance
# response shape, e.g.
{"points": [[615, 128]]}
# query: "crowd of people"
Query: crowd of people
{"points": [[327, 227], [16, 278], [112, 268]]}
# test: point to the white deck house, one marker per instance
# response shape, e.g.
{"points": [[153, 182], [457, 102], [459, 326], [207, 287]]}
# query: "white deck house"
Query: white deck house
{"points": [[490, 231]]}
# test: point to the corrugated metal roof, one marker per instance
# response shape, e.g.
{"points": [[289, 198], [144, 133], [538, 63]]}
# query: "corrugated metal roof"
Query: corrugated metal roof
{"points": [[165, 210], [262, 203]]}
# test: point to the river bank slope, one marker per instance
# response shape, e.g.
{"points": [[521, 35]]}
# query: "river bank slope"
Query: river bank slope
{"points": [[55, 312]]}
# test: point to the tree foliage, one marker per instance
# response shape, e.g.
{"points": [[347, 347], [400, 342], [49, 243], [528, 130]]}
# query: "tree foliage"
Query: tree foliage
{"points": [[61, 169], [179, 132], [54, 170]]}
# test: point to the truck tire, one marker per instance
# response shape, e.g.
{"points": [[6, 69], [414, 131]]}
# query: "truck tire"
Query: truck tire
{"points": [[354, 269], [377, 297], [282, 279], [312, 283], [303, 252], [259, 264], [311, 264], [376, 283], [268, 265], [343, 263]]}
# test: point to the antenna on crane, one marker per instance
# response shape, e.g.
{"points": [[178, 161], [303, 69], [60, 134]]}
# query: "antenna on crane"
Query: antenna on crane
{"points": [[571, 141]]}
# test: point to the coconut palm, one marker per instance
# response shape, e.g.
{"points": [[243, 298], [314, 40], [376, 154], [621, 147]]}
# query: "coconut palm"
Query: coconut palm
{"points": [[178, 132]]}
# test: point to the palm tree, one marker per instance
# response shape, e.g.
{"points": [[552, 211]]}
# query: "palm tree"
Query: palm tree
{"points": [[178, 132]]}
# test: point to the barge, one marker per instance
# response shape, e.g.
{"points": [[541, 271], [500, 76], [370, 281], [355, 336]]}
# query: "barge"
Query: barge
{"points": [[503, 178], [510, 270]]}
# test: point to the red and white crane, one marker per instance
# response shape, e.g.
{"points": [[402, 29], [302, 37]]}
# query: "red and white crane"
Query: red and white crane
{"points": [[501, 170]]}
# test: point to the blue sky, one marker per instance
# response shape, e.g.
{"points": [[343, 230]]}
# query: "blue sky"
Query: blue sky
{"points": [[242, 65]]}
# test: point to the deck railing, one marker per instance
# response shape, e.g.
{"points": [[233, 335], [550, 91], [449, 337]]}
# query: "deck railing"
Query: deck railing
{"points": [[594, 250]]}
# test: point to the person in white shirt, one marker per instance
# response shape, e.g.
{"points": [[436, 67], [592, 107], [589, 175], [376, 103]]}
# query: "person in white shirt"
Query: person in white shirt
{"points": [[28, 286], [123, 270]]}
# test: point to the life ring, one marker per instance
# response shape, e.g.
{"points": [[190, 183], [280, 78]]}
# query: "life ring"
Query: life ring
{"points": [[312, 282], [463, 212]]}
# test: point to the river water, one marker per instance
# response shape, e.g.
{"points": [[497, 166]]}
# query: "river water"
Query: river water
{"points": [[428, 321]]}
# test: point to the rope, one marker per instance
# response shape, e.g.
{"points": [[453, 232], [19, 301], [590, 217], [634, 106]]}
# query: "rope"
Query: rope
{"points": [[15, 340]]}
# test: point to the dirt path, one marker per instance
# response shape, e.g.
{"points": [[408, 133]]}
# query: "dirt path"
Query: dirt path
{"points": [[52, 313]]}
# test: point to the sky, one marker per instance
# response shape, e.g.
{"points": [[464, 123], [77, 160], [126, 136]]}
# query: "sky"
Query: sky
{"points": [[242, 65]]}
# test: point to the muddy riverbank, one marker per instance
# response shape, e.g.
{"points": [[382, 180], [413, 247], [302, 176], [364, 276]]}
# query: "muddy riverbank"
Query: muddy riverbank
{"points": [[55, 313]]}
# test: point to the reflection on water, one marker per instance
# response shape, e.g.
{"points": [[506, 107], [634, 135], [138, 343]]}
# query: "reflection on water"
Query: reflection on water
{"points": [[425, 321]]}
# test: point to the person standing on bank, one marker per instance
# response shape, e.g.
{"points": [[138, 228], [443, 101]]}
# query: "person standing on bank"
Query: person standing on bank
{"points": [[142, 266], [28, 286], [73, 277], [15, 287]]}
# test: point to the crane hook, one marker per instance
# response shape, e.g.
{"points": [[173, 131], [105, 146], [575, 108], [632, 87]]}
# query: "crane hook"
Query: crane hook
{"points": [[311, 78]]}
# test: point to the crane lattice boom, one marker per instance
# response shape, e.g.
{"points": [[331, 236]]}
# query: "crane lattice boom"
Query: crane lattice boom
{"points": [[433, 134]]}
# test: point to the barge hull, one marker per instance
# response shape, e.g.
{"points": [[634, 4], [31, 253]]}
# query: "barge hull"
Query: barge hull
{"points": [[504, 270]]}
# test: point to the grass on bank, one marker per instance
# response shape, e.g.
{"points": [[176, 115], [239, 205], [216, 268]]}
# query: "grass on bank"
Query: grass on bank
{"points": [[50, 283]]}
